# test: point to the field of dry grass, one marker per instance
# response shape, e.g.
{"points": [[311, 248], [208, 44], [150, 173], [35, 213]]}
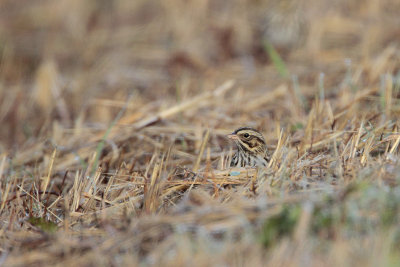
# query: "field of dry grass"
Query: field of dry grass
{"points": [[114, 116]]}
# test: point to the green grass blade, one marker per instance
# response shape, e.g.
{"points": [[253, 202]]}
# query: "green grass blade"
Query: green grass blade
{"points": [[100, 146], [276, 59]]}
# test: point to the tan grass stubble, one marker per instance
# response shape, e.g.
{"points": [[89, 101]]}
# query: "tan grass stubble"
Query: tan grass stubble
{"points": [[342, 136]]}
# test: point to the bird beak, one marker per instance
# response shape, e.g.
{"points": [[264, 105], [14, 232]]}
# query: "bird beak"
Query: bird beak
{"points": [[233, 136]]}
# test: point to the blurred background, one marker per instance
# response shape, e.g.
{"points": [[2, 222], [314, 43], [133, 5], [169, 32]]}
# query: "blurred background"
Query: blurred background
{"points": [[70, 63]]}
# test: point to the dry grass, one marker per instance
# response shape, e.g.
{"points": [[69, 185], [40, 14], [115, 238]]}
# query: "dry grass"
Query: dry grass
{"points": [[114, 116]]}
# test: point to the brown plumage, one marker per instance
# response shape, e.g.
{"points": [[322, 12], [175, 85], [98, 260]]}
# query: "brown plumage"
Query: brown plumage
{"points": [[251, 148]]}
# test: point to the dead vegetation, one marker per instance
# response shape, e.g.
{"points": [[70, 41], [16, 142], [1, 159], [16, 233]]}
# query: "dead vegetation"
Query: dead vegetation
{"points": [[114, 116]]}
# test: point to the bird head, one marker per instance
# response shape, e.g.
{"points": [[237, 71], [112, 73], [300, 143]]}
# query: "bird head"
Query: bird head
{"points": [[249, 140]]}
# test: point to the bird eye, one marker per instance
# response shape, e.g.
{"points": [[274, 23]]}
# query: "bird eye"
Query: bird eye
{"points": [[246, 135]]}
